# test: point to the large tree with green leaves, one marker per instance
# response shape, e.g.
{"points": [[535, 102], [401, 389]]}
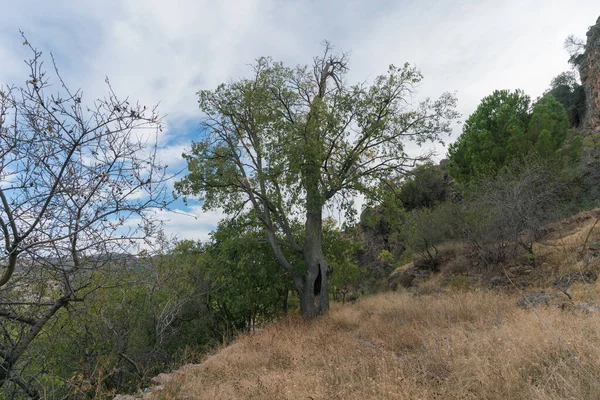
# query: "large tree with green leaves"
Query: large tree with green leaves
{"points": [[567, 90], [490, 135], [547, 129], [288, 141], [505, 127]]}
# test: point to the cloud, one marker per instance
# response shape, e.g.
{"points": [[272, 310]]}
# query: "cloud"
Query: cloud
{"points": [[192, 223], [171, 155], [164, 52]]}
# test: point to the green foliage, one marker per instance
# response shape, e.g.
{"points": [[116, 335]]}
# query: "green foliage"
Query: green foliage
{"points": [[403, 215], [278, 127], [499, 217], [566, 89], [426, 186], [492, 135], [150, 316], [548, 128], [586, 175], [340, 249], [385, 256], [573, 147], [425, 229], [504, 129], [141, 323], [248, 284], [288, 141]]}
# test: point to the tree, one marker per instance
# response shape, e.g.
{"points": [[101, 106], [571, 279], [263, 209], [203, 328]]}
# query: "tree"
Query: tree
{"points": [[76, 187], [426, 186], [548, 127], [341, 249], [510, 211], [491, 135], [248, 285], [134, 324], [503, 129], [575, 47], [288, 141], [566, 89]]}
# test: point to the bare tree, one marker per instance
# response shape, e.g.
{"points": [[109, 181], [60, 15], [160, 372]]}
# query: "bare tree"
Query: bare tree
{"points": [[512, 209], [575, 47], [77, 186]]}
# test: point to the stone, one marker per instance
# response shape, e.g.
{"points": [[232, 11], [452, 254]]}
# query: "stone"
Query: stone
{"points": [[589, 72], [534, 299], [496, 281], [588, 308]]}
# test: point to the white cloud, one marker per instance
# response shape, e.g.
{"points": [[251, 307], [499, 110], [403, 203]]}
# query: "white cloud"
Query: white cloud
{"points": [[171, 155], [165, 52], [189, 224]]}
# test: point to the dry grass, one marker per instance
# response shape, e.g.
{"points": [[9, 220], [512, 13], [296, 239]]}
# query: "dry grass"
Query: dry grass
{"points": [[429, 344], [469, 345], [564, 242], [572, 244]]}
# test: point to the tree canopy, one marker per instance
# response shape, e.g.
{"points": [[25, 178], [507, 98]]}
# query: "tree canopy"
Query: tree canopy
{"points": [[567, 90], [288, 141], [426, 186], [505, 127]]}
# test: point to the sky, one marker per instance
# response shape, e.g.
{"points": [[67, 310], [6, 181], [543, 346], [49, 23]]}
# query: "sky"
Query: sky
{"points": [[166, 51]]}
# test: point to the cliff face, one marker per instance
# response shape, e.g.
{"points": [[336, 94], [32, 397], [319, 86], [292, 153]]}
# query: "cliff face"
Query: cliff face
{"points": [[589, 71]]}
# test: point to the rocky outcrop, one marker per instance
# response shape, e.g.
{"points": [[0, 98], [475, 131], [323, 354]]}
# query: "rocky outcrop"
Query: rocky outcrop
{"points": [[589, 71]]}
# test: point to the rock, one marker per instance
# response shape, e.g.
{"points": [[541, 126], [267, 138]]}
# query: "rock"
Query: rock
{"points": [[161, 379], [589, 72], [497, 281], [514, 270], [519, 270], [588, 308], [534, 299]]}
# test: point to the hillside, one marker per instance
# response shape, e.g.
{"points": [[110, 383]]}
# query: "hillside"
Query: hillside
{"points": [[450, 336]]}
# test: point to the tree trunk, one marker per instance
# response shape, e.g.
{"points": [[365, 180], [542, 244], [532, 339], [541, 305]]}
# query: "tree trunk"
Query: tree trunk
{"points": [[314, 298]]}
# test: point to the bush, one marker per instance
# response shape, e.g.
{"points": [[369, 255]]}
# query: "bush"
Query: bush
{"points": [[426, 228], [426, 187], [507, 214]]}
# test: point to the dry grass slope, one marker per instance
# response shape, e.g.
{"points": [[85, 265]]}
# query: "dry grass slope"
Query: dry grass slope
{"points": [[469, 345], [453, 344]]}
